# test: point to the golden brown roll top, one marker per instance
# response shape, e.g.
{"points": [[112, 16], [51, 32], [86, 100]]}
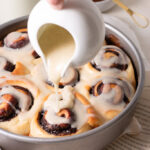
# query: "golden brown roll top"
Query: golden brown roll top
{"points": [[64, 113]]}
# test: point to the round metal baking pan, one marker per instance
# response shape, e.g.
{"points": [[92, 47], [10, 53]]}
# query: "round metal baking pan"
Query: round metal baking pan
{"points": [[105, 5], [95, 139]]}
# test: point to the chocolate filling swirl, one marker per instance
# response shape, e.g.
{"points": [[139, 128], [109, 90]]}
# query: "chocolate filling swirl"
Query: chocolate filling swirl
{"points": [[6, 65], [58, 129], [118, 66]]}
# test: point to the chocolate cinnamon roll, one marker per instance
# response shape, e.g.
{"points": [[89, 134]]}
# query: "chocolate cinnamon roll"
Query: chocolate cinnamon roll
{"points": [[110, 95], [16, 40], [64, 114], [16, 101], [72, 77], [113, 60]]}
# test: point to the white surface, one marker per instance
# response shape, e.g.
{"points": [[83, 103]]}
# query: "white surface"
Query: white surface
{"points": [[143, 35], [11, 9], [84, 22]]}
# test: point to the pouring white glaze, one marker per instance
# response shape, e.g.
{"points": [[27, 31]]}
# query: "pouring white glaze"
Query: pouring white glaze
{"points": [[58, 47], [81, 19]]}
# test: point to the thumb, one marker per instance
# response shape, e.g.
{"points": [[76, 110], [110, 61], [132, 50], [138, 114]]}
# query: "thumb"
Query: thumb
{"points": [[58, 4]]}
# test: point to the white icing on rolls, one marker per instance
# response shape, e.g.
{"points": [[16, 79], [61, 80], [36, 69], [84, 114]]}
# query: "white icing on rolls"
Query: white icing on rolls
{"points": [[104, 63], [59, 101], [81, 115], [113, 92], [23, 100], [3, 62], [65, 100]]}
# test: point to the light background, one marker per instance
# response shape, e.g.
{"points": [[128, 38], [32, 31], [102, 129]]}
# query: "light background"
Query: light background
{"points": [[143, 7]]}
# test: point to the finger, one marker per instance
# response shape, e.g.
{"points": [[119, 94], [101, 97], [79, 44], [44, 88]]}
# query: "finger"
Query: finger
{"points": [[58, 4]]}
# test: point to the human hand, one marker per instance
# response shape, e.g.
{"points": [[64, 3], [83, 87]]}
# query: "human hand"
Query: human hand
{"points": [[58, 4]]}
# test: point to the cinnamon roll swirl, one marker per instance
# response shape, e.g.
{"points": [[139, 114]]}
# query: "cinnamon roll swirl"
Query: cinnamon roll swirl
{"points": [[110, 95], [16, 100], [72, 77], [16, 40], [64, 113]]}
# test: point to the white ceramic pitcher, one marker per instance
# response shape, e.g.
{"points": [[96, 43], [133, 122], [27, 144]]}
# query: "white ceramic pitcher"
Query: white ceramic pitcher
{"points": [[80, 17]]}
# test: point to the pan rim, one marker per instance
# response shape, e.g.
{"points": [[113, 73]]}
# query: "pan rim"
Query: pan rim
{"points": [[100, 128]]}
